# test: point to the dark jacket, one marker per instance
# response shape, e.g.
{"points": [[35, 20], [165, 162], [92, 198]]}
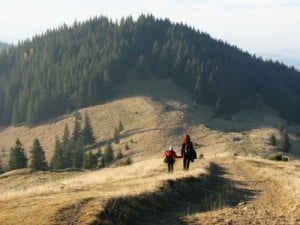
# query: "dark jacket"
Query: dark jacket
{"points": [[188, 151]]}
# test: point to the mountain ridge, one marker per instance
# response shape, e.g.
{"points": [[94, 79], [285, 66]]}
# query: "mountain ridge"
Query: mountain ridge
{"points": [[82, 65], [232, 183]]}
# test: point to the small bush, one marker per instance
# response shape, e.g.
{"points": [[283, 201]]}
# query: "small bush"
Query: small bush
{"points": [[285, 158], [236, 139], [278, 157], [124, 162]]}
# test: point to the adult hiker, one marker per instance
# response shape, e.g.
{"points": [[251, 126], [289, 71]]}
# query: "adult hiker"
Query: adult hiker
{"points": [[187, 152], [170, 156]]}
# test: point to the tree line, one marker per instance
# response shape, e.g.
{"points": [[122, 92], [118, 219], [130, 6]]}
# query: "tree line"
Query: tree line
{"points": [[71, 151], [83, 64]]}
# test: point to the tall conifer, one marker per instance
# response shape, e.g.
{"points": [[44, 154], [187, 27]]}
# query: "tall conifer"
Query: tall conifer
{"points": [[67, 147], [38, 159], [17, 156], [284, 142], [108, 155], [76, 134], [57, 161], [87, 132]]}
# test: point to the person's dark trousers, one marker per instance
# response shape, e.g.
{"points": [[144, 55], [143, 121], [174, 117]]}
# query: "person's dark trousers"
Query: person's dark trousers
{"points": [[170, 167], [186, 163]]}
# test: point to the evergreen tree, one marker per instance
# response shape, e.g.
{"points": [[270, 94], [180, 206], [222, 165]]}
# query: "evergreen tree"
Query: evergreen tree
{"points": [[108, 155], [273, 140], [94, 159], [102, 163], [219, 107], [76, 134], [17, 157], [88, 160], [87, 132], [30, 116], [121, 127], [116, 135], [38, 159], [15, 116], [66, 135], [77, 154], [77, 146], [57, 161], [66, 146], [284, 142]]}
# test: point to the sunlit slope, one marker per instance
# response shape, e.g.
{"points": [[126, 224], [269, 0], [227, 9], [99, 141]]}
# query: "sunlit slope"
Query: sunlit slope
{"points": [[60, 198], [153, 117], [156, 115]]}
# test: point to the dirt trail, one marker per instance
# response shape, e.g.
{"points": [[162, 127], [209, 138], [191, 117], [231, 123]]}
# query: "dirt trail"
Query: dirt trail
{"points": [[249, 197]]}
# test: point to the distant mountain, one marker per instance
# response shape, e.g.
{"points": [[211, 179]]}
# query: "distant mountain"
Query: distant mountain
{"points": [[84, 64]]}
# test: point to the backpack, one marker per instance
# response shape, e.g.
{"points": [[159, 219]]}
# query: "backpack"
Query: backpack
{"points": [[189, 151], [169, 158]]}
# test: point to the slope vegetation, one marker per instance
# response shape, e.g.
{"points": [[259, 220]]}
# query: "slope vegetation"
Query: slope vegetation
{"points": [[84, 64], [231, 184]]}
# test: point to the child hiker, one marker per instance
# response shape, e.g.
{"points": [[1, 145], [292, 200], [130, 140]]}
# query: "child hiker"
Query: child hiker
{"points": [[170, 156]]}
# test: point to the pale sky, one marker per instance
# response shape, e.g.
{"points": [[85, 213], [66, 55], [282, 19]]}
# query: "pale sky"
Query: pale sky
{"points": [[261, 27]]}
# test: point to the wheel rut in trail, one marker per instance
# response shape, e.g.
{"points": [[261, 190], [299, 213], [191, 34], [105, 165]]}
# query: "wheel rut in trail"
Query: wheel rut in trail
{"points": [[175, 200], [271, 203]]}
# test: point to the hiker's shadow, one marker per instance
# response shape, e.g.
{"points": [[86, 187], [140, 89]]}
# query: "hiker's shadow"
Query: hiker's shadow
{"points": [[176, 199]]}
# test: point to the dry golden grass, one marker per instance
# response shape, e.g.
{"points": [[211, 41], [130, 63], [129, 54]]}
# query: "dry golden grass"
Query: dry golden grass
{"points": [[287, 174], [149, 123], [264, 192], [41, 201], [154, 116]]}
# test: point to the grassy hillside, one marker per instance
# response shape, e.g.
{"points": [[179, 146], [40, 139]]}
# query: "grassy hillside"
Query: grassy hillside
{"points": [[154, 117], [143, 193], [150, 122], [78, 199]]}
